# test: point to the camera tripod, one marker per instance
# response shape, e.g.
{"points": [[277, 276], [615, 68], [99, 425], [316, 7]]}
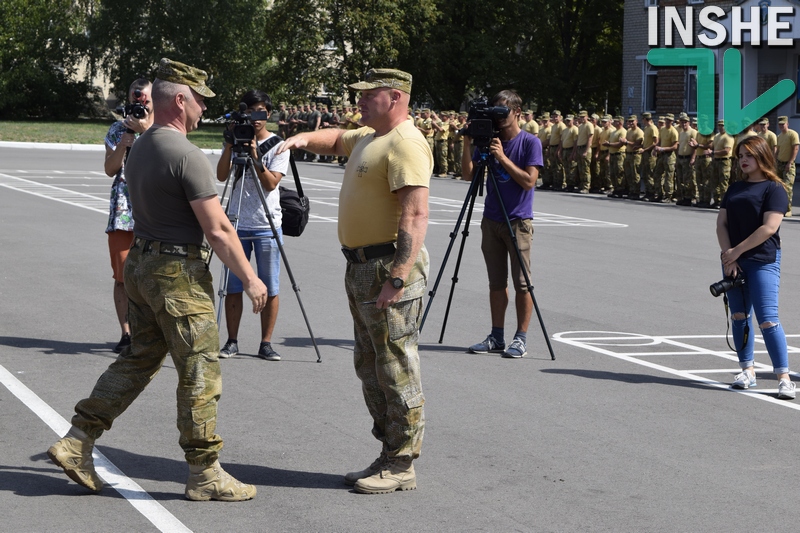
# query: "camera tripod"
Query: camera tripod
{"points": [[475, 189], [244, 168]]}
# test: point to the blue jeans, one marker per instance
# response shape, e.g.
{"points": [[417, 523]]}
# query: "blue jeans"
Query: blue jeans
{"points": [[759, 294], [268, 259]]}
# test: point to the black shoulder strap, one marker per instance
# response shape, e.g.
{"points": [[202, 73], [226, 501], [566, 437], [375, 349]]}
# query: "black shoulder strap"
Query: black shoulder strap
{"points": [[267, 145]]}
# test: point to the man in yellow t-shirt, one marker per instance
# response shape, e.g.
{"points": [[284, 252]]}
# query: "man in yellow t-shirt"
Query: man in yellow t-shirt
{"points": [[685, 180], [703, 167], [787, 145], [531, 126], [633, 157], [569, 136], [616, 152], [583, 152], [554, 144], [383, 214], [722, 147], [544, 138], [604, 174], [665, 162]]}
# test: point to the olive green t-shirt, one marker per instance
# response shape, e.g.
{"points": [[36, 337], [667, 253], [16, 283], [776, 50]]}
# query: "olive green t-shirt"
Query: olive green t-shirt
{"points": [[165, 172]]}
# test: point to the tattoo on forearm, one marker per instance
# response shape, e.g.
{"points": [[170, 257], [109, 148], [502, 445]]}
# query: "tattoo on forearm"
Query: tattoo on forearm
{"points": [[404, 245]]}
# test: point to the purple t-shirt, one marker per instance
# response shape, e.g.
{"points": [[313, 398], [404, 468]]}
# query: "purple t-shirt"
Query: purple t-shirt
{"points": [[524, 150]]}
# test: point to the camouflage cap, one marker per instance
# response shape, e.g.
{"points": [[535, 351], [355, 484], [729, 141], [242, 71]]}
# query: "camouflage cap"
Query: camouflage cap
{"points": [[568, 117], [764, 121], [684, 117], [633, 117], [669, 116], [595, 116], [384, 77], [619, 118], [425, 110], [527, 112], [660, 118], [605, 118], [462, 114], [720, 122], [783, 120], [583, 113], [647, 115], [545, 115], [176, 72], [556, 113]]}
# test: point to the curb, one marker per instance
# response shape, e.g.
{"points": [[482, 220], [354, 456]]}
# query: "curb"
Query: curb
{"points": [[73, 147]]}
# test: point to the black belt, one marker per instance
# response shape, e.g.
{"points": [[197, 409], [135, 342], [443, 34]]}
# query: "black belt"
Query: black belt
{"points": [[581, 147], [365, 253], [684, 156], [721, 158], [617, 153], [706, 156], [784, 162], [191, 251]]}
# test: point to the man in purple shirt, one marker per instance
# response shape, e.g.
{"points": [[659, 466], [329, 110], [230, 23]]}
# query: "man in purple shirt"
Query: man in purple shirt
{"points": [[516, 157]]}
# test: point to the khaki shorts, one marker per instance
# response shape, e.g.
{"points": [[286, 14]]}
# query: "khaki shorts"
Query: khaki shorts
{"points": [[119, 242], [497, 246]]}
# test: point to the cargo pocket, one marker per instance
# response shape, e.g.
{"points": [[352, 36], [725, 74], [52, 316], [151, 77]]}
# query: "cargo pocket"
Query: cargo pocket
{"points": [[403, 317], [414, 399], [204, 421], [192, 317]]}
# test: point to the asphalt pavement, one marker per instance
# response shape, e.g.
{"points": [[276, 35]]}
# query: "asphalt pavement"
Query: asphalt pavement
{"points": [[631, 428]]}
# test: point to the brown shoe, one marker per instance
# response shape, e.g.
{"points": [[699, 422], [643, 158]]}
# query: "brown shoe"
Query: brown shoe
{"points": [[73, 453], [213, 483], [351, 477], [396, 474]]}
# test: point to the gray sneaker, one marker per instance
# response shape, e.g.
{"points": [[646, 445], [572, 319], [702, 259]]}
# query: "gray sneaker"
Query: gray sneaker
{"points": [[515, 350], [786, 390], [488, 345], [744, 380], [230, 349], [266, 352]]}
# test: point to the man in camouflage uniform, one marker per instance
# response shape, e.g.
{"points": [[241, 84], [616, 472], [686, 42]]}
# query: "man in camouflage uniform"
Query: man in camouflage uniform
{"points": [[633, 157], [685, 179], [787, 145], [702, 145], [665, 164], [458, 142], [170, 293], [569, 139], [604, 174], [383, 213], [583, 152], [648, 164], [722, 147], [557, 181], [441, 133], [425, 125], [616, 152], [544, 138]]}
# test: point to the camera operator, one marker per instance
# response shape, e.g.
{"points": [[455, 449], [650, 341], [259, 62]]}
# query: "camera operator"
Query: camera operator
{"points": [[254, 230], [170, 293], [516, 160], [748, 226], [122, 135]]}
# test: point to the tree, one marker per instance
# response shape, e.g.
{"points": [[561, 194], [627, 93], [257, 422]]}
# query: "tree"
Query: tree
{"points": [[42, 44], [224, 38]]}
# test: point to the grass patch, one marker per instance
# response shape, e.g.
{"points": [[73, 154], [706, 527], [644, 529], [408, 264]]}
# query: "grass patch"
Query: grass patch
{"points": [[94, 132]]}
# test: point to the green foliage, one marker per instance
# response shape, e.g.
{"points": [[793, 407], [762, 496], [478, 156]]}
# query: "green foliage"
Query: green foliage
{"points": [[224, 38], [42, 43]]}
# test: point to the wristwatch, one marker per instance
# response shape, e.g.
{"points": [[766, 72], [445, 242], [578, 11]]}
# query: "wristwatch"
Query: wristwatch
{"points": [[397, 283]]}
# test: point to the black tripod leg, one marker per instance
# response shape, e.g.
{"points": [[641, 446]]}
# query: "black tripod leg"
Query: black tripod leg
{"points": [[528, 283], [477, 180], [469, 201], [295, 287]]}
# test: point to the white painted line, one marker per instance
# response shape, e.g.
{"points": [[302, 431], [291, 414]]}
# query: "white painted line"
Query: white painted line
{"points": [[128, 489], [577, 341]]}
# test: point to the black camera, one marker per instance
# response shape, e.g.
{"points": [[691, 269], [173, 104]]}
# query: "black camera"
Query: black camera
{"points": [[243, 130], [482, 120], [137, 109], [727, 283]]}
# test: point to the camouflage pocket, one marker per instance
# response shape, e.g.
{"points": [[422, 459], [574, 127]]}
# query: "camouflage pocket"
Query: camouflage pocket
{"points": [[413, 398], [403, 318], [192, 316]]}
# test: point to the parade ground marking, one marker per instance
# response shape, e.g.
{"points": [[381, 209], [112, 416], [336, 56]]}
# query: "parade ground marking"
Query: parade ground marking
{"points": [[688, 350], [128, 489]]}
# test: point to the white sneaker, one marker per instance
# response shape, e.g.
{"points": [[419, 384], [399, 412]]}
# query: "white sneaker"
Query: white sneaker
{"points": [[786, 390], [744, 380]]}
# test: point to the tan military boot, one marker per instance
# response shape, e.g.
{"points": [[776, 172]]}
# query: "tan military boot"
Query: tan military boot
{"points": [[73, 453], [396, 474], [351, 477], [213, 483]]}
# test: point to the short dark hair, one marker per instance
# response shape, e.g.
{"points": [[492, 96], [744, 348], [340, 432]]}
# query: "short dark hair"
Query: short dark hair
{"points": [[254, 96], [138, 84], [508, 97]]}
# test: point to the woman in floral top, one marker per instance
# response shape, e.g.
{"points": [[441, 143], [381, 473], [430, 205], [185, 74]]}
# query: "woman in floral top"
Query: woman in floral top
{"points": [[121, 136]]}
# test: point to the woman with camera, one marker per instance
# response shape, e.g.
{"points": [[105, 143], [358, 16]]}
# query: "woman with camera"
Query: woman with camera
{"points": [[748, 227]]}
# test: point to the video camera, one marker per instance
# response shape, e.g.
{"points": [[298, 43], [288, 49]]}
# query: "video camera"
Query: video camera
{"points": [[727, 283], [482, 121], [137, 109], [243, 130]]}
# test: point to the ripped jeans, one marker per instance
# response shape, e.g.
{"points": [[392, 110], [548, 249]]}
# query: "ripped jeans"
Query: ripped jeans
{"points": [[759, 294]]}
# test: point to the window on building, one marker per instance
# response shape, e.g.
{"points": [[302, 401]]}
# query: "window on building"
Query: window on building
{"points": [[690, 2], [691, 91], [649, 3], [649, 83]]}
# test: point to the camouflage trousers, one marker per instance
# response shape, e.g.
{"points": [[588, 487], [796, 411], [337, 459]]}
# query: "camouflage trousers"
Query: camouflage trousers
{"points": [[170, 310], [451, 162], [385, 356], [646, 172], [458, 150], [557, 178], [633, 162], [570, 166], [685, 179], [440, 156], [787, 177], [702, 174], [616, 170], [604, 176], [720, 175], [584, 170], [664, 175]]}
